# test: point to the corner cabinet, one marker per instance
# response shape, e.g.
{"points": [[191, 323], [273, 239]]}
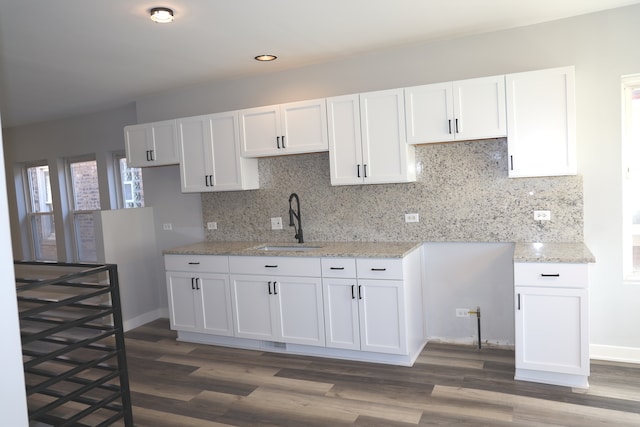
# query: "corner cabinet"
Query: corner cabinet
{"points": [[367, 140], [151, 144], [454, 111], [541, 127], [198, 293], [552, 323], [210, 158], [297, 127]]}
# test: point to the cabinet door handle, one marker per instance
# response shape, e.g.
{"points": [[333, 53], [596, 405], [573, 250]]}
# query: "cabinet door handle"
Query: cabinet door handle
{"points": [[197, 283], [359, 291], [211, 180], [147, 153], [364, 167], [269, 285], [518, 301], [550, 275], [278, 142], [192, 285], [270, 266], [151, 155], [457, 131], [336, 268], [194, 263], [283, 146], [358, 171], [511, 161], [449, 126], [275, 288], [353, 291], [378, 269]]}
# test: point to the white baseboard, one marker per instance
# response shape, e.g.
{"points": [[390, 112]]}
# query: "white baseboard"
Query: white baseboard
{"points": [[144, 318], [472, 341], [614, 353]]}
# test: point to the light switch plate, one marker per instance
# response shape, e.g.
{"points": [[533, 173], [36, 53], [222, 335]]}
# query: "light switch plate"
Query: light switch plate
{"points": [[167, 226], [212, 225], [276, 223]]}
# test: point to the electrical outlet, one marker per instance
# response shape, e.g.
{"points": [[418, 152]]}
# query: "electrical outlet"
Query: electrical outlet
{"points": [[411, 217], [276, 223], [212, 225], [542, 215], [167, 226], [462, 312]]}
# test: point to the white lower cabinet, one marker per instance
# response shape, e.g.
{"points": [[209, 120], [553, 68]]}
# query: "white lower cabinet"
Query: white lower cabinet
{"points": [[552, 323], [199, 302]]}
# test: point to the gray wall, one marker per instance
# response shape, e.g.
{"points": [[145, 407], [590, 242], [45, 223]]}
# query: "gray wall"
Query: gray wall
{"points": [[601, 46]]}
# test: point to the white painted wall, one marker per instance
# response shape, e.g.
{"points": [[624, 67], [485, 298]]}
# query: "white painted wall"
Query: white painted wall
{"points": [[13, 401]]}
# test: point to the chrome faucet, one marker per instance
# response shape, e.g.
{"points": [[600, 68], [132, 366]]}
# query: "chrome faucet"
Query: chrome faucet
{"points": [[292, 215]]}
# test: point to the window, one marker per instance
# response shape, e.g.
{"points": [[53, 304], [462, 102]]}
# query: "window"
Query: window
{"points": [[85, 199], [40, 215], [631, 185], [131, 194]]}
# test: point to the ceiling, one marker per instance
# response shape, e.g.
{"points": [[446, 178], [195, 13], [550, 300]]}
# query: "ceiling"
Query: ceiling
{"points": [[68, 57]]}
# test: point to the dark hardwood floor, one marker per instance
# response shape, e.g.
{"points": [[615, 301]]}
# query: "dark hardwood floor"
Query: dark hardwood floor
{"points": [[183, 385]]}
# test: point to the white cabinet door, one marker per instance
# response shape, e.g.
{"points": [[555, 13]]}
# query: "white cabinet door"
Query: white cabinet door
{"points": [[210, 155], [297, 127], [541, 123], [383, 326], [376, 151], [460, 110], [341, 319], [299, 305], [152, 144], [345, 142], [181, 295], [386, 156], [551, 332], [254, 314]]}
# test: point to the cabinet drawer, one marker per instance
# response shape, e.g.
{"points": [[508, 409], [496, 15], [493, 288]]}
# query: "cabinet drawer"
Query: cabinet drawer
{"points": [[202, 263], [551, 274], [282, 266], [338, 267], [379, 268]]}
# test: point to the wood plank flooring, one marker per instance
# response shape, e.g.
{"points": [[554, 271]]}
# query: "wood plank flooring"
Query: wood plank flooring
{"points": [[187, 385]]}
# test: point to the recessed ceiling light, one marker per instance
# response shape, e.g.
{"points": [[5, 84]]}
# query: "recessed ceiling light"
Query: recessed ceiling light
{"points": [[265, 58], [161, 15]]}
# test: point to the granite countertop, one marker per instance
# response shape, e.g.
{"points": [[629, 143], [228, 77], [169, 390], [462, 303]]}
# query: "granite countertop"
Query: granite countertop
{"points": [[324, 249], [553, 252]]}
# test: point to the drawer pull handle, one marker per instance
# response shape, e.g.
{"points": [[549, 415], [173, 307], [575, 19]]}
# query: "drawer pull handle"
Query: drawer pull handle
{"points": [[337, 268], [270, 266], [550, 275], [378, 269], [194, 263]]}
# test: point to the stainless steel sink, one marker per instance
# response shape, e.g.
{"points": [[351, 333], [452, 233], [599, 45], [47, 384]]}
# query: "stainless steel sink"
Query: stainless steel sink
{"points": [[276, 248]]}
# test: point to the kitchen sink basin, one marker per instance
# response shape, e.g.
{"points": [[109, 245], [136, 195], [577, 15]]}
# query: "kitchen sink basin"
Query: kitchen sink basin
{"points": [[276, 248]]}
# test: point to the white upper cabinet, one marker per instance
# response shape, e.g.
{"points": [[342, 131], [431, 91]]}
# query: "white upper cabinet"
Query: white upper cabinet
{"points": [[297, 127], [210, 155], [461, 110], [151, 144], [541, 122], [367, 140]]}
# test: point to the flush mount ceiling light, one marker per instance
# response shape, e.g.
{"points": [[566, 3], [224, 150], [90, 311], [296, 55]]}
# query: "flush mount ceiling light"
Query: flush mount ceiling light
{"points": [[161, 15], [265, 58]]}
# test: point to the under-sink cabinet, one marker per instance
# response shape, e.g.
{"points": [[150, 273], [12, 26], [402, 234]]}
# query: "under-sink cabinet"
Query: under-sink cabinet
{"points": [[552, 323], [151, 144], [461, 110], [367, 140], [277, 299], [199, 294], [367, 309], [210, 155], [296, 127]]}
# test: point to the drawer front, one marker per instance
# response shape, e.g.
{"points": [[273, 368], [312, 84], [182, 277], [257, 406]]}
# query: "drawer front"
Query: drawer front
{"points": [[338, 267], [281, 266], [197, 263], [379, 268], [551, 274]]}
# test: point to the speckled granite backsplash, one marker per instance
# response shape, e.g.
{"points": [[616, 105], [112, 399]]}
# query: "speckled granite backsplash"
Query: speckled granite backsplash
{"points": [[462, 194]]}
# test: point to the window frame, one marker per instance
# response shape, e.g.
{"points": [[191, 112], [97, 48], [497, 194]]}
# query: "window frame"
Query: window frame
{"points": [[629, 171], [121, 203], [30, 214]]}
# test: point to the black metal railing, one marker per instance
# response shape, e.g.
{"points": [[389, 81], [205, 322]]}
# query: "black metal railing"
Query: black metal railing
{"points": [[73, 344]]}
